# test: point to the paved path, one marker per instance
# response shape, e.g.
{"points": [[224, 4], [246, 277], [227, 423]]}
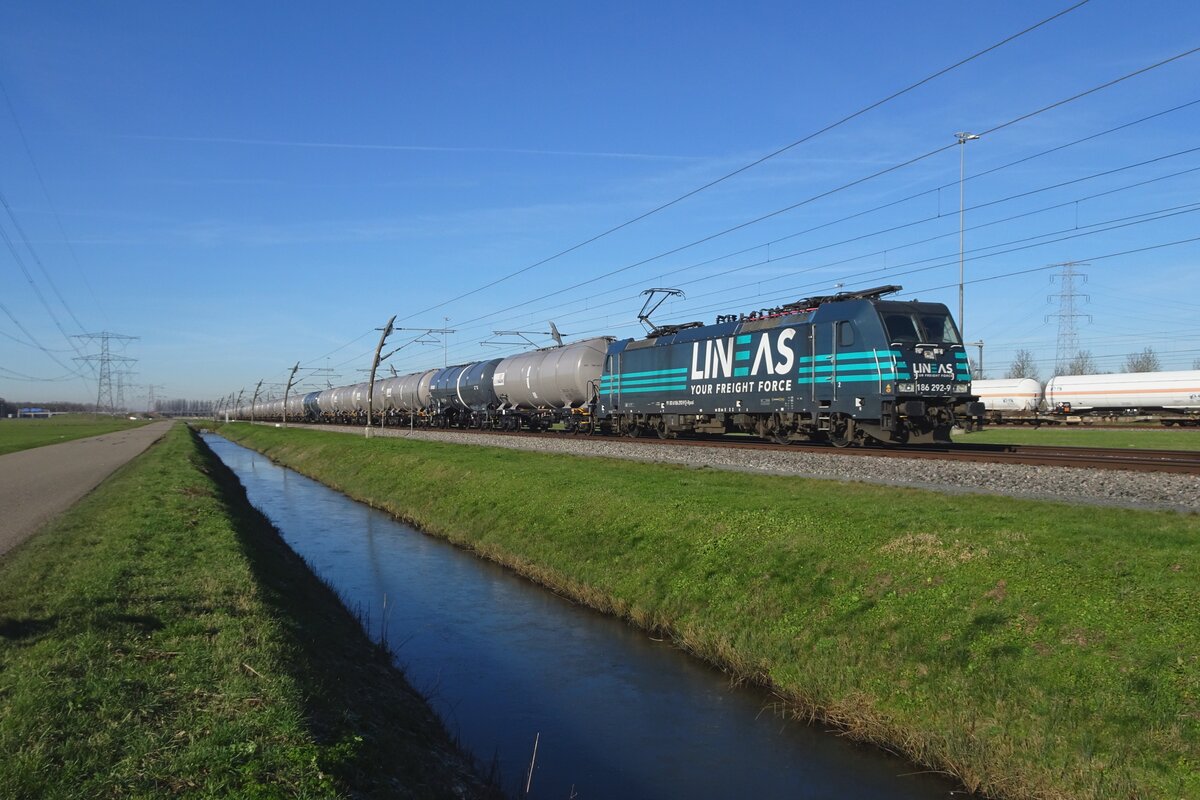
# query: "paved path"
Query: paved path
{"points": [[37, 485]]}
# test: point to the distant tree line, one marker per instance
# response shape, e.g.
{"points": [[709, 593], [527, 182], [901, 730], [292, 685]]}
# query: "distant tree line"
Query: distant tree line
{"points": [[175, 408], [184, 408], [1024, 365]]}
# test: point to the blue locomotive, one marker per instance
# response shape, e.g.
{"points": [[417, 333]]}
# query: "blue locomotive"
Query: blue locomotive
{"points": [[842, 368]]}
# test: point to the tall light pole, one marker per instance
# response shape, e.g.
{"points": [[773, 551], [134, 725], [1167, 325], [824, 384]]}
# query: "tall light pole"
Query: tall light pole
{"points": [[963, 138]]}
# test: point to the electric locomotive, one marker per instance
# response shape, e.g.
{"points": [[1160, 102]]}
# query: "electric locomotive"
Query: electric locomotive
{"points": [[843, 368]]}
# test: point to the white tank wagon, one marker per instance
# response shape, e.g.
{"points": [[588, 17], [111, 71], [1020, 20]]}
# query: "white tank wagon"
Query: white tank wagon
{"points": [[1009, 394], [1177, 392], [1010, 399]]}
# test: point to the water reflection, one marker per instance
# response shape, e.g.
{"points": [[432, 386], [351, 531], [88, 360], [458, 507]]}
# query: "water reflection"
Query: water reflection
{"points": [[618, 715]]}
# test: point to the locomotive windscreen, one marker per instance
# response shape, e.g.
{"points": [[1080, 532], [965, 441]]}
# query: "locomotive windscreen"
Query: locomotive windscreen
{"points": [[928, 327]]}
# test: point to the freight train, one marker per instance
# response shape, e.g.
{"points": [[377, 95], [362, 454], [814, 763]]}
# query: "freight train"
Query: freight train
{"points": [[848, 369], [1173, 398]]}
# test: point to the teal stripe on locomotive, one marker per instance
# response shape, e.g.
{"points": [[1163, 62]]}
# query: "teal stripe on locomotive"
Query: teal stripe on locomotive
{"points": [[883, 376], [680, 387], [678, 371], [614, 382], [883, 356]]}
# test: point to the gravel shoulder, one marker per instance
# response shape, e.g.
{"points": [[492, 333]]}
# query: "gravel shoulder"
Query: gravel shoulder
{"points": [[37, 485], [1112, 488]]}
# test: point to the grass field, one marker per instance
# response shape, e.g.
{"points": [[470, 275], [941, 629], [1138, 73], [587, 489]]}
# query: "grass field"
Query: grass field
{"points": [[1034, 650], [1054, 436], [160, 639], [22, 434]]}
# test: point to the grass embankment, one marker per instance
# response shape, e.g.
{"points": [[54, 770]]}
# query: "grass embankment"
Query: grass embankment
{"points": [[160, 639], [22, 434], [1178, 439], [1035, 650]]}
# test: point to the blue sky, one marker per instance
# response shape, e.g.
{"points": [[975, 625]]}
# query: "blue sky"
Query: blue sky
{"points": [[245, 187]]}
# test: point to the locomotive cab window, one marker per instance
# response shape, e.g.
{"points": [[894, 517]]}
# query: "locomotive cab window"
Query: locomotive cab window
{"points": [[901, 327], [845, 334], [929, 328], [939, 329]]}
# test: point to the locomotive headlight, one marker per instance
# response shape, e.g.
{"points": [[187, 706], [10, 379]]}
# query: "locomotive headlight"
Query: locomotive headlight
{"points": [[962, 388], [906, 387]]}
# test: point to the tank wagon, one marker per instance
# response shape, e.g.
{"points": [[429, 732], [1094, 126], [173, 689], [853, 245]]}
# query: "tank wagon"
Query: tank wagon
{"points": [[1174, 397], [844, 368], [1018, 400]]}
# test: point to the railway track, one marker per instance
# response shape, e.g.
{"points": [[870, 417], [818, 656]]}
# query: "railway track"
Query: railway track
{"points": [[1172, 461]]}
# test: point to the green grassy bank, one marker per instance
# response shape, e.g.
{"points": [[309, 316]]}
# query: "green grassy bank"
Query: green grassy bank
{"points": [[1166, 439], [22, 434], [161, 640], [1035, 650]]}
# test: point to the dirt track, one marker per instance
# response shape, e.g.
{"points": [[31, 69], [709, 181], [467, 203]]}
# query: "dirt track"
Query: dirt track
{"points": [[39, 484]]}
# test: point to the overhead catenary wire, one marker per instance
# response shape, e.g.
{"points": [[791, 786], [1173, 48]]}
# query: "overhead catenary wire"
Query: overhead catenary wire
{"points": [[1019, 245], [993, 129], [896, 247], [808, 137], [892, 248], [843, 187]]}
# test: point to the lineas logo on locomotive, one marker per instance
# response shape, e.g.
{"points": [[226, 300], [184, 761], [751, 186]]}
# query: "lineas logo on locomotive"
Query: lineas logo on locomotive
{"points": [[715, 359]]}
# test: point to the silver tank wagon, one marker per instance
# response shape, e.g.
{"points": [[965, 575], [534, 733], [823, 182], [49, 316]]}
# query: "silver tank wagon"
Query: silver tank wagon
{"points": [[556, 377]]}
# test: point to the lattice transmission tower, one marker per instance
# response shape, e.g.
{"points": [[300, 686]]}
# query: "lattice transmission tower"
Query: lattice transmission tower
{"points": [[105, 360], [1068, 331]]}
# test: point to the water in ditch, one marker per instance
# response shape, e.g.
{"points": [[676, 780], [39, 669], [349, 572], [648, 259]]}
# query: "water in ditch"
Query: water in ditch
{"points": [[615, 714]]}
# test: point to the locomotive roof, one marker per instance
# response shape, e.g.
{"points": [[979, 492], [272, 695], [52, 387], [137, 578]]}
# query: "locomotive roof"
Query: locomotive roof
{"points": [[790, 314]]}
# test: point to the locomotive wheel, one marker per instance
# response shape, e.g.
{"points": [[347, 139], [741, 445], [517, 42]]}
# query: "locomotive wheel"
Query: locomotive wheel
{"points": [[843, 433]]}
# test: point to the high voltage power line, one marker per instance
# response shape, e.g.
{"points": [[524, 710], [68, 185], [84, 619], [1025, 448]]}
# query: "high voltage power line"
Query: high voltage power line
{"points": [[901, 246], [756, 162]]}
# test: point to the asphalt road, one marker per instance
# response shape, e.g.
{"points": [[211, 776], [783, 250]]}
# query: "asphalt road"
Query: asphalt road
{"points": [[37, 485]]}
